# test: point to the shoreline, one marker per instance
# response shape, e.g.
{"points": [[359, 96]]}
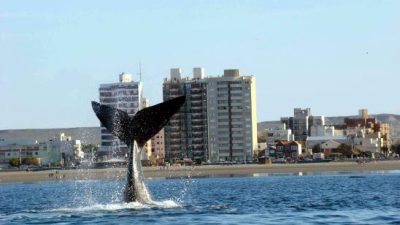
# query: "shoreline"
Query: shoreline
{"points": [[197, 171]]}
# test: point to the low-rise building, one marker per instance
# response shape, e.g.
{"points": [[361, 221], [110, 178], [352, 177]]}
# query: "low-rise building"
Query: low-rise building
{"points": [[372, 143], [288, 149], [22, 150], [62, 149], [278, 133], [329, 147], [313, 141], [322, 130]]}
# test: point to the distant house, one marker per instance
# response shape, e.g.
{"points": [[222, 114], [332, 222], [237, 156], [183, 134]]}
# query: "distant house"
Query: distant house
{"points": [[329, 147], [369, 143], [288, 149], [312, 141], [260, 148]]}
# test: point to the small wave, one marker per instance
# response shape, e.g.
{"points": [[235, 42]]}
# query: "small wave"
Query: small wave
{"points": [[119, 206], [357, 177]]}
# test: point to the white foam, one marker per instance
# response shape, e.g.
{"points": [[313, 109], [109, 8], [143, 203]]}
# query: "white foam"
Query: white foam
{"points": [[119, 206]]}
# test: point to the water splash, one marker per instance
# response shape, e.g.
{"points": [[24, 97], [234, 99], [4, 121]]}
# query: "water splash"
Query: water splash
{"points": [[119, 206], [186, 183]]}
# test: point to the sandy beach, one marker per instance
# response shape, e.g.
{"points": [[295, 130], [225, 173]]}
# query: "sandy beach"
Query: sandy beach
{"points": [[197, 171]]}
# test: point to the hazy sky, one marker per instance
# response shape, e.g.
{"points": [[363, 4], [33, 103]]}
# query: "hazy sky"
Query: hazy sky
{"points": [[332, 56]]}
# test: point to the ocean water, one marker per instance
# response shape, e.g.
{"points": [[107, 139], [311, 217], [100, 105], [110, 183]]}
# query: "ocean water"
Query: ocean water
{"points": [[332, 198]]}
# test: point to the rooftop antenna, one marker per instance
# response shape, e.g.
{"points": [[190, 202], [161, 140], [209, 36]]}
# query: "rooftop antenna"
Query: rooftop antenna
{"points": [[140, 71]]}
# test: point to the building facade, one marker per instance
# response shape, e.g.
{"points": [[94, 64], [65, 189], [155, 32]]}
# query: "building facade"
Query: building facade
{"points": [[186, 134], [367, 133], [125, 95], [232, 116], [158, 149], [287, 149], [300, 123], [62, 149], [218, 120], [278, 133], [22, 150]]}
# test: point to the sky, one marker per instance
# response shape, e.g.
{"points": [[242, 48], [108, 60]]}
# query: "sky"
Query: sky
{"points": [[334, 57]]}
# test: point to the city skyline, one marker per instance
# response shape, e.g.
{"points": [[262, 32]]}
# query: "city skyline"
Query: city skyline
{"points": [[334, 57]]}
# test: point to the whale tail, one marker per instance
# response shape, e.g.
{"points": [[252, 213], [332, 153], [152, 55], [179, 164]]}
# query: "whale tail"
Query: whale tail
{"points": [[143, 125]]}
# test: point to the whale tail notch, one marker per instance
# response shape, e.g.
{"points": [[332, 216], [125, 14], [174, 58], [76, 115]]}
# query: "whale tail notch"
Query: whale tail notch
{"points": [[143, 125]]}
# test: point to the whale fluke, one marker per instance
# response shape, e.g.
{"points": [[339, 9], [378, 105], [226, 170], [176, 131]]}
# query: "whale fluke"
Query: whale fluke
{"points": [[143, 125], [135, 131]]}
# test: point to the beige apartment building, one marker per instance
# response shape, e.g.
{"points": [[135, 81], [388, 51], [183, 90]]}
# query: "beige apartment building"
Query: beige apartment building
{"points": [[218, 121], [232, 118]]}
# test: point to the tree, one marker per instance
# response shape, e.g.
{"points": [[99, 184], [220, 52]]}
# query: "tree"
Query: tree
{"points": [[31, 161], [396, 148], [345, 150], [316, 148], [87, 148], [261, 138], [385, 151], [14, 162]]}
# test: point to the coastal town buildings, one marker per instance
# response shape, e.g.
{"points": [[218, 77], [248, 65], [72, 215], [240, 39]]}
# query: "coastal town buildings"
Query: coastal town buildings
{"points": [[62, 149], [319, 128], [286, 149], [23, 149], [318, 140], [363, 133], [217, 122], [300, 123], [146, 152], [125, 95], [329, 147], [158, 148], [232, 116], [367, 134], [186, 134], [278, 133]]}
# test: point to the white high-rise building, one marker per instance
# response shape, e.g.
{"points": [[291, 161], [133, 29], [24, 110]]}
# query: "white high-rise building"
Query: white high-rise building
{"points": [[125, 95]]}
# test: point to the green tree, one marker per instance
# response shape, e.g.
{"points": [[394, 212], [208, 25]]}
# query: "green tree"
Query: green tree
{"points": [[385, 151], [31, 161], [345, 150], [87, 148], [261, 138], [396, 148], [14, 162], [316, 148]]}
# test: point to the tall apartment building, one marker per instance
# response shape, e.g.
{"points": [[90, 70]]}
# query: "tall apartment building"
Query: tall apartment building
{"points": [[300, 123], [146, 152], [158, 148], [218, 121], [232, 117], [186, 135], [125, 95]]}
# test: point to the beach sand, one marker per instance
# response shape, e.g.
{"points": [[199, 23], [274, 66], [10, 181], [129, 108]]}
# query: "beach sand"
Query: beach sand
{"points": [[197, 171]]}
